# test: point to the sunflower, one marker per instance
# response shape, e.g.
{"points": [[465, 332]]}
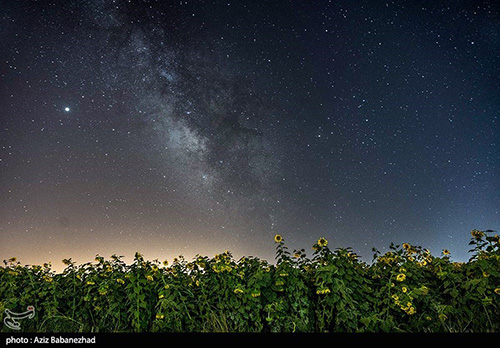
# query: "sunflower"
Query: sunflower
{"points": [[401, 277], [323, 291], [477, 234], [446, 252], [497, 291], [278, 238], [322, 242], [411, 311], [255, 293]]}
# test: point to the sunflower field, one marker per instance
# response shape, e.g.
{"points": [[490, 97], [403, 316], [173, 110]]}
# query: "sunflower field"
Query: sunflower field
{"points": [[404, 290]]}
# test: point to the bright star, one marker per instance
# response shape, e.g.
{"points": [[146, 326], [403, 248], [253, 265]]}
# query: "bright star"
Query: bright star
{"points": [[67, 109]]}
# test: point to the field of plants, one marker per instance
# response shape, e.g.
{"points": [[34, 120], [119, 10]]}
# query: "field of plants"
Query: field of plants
{"points": [[404, 290]]}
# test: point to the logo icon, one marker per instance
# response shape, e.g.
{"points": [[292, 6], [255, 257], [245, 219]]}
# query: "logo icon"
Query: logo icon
{"points": [[11, 319]]}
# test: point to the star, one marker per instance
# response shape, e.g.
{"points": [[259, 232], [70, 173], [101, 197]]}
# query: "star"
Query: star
{"points": [[67, 109]]}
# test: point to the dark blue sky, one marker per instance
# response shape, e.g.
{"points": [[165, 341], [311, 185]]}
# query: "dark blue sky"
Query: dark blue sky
{"points": [[197, 126]]}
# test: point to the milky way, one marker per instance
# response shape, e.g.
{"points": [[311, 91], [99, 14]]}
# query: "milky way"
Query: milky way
{"points": [[195, 127]]}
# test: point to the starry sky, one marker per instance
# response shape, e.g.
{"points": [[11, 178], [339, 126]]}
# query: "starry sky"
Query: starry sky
{"points": [[192, 127]]}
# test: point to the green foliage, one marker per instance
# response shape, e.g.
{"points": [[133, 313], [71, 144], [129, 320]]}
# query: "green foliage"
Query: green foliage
{"points": [[404, 290]]}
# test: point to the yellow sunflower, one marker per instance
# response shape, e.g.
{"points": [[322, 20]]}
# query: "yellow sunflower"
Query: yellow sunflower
{"points": [[477, 234], [322, 242]]}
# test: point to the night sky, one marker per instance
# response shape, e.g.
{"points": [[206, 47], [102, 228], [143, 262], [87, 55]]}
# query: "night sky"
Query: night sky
{"points": [[192, 127]]}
